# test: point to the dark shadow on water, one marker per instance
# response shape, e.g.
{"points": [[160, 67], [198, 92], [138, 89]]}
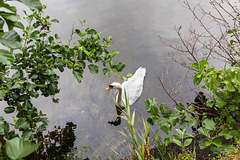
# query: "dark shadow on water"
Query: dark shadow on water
{"points": [[55, 144], [118, 119]]}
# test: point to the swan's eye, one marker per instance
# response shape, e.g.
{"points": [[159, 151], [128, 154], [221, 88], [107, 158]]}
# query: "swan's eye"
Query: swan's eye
{"points": [[110, 86]]}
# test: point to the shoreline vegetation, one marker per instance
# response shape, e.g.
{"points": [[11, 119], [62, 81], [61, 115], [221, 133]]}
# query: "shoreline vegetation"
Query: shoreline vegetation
{"points": [[34, 56]]}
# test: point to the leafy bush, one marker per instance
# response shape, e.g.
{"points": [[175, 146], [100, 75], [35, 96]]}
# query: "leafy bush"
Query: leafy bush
{"points": [[217, 115], [28, 70]]}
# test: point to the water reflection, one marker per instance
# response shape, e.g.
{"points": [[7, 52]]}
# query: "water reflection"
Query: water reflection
{"points": [[134, 26], [118, 119], [55, 144]]}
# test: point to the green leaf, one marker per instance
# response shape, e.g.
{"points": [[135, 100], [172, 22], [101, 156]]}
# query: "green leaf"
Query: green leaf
{"points": [[233, 107], [229, 87], [209, 124], [197, 78], [78, 32], [204, 131], [34, 94], [22, 123], [221, 104], [200, 65], [166, 141], [106, 72], [180, 131], [202, 143], [2, 95], [32, 4], [113, 53], [7, 6], [78, 76], [152, 101], [8, 110], [217, 142], [187, 142], [4, 127], [30, 86], [165, 129], [93, 68], [120, 66], [231, 121], [129, 75], [225, 133], [15, 85], [11, 39], [17, 74], [27, 134], [208, 143], [91, 31], [210, 103], [175, 139], [9, 16], [193, 121], [55, 20], [18, 148], [180, 107], [6, 57], [124, 78]]}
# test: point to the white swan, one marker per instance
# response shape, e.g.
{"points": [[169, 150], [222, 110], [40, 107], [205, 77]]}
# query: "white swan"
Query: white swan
{"points": [[133, 88]]}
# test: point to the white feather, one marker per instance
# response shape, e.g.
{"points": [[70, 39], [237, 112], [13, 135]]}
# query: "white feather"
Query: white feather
{"points": [[133, 87]]}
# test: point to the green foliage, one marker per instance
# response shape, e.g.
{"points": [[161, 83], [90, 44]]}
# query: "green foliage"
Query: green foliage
{"points": [[18, 148], [139, 150], [162, 150], [215, 116], [28, 69]]}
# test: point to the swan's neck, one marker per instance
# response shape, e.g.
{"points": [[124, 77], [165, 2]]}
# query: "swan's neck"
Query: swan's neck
{"points": [[119, 99]]}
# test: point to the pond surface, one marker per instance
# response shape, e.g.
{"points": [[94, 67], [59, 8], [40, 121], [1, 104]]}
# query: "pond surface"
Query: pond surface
{"points": [[134, 26]]}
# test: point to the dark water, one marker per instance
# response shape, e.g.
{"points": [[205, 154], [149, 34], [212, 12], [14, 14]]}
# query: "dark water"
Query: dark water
{"points": [[134, 26]]}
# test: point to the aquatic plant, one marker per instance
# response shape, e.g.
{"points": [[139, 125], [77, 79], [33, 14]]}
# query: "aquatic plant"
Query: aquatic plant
{"points": [[140, 143]]}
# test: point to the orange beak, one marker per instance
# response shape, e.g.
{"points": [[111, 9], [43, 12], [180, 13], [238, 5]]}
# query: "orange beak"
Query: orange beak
{"points": [[108, 88]]}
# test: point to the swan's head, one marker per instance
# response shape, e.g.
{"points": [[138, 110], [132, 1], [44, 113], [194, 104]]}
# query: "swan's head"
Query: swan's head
{"points": [[114, 85]]}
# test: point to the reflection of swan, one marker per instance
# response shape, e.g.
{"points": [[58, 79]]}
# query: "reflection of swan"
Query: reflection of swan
{"points": [[133, 87]]}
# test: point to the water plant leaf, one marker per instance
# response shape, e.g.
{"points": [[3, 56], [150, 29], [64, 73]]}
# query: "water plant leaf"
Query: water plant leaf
{"points": [[18, 148]]}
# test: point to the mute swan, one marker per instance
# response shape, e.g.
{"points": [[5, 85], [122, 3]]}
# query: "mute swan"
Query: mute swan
{"points": [[133, 88]]}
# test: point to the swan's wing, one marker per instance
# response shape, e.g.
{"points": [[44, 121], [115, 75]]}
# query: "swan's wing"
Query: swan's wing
{"points": [[134, 85]]}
